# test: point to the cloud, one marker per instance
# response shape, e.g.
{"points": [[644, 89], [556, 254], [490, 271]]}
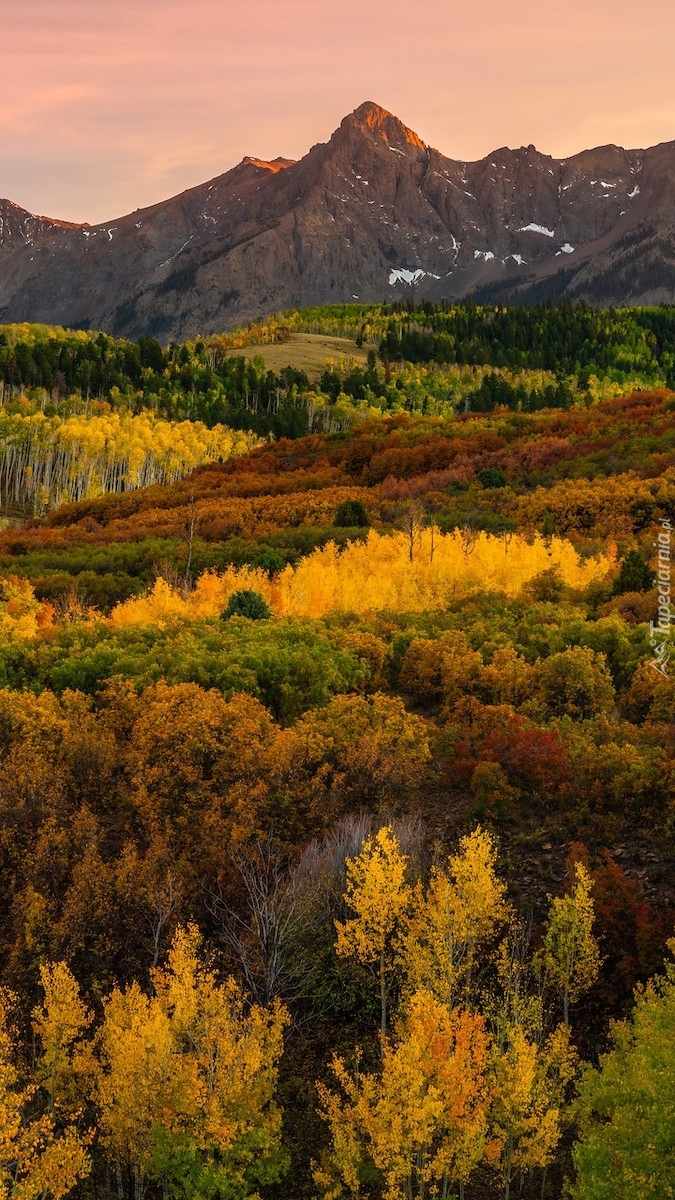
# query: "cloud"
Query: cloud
{"points": [[26, 113]]}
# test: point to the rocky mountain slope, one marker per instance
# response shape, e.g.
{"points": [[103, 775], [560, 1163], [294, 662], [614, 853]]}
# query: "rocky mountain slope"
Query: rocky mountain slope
{"points": [[372, 214]]}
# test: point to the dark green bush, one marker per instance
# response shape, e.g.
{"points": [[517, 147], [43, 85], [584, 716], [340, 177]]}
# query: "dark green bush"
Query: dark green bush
{"points": [[635, 575], [247, 603], [268, 560], [352, 514], [491, 477]]}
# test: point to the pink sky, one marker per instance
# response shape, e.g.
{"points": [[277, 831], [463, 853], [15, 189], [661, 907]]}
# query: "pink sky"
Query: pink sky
{"points": [[107, 107]]}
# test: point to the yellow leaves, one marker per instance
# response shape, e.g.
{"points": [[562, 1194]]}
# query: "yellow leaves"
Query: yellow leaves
{"points": [[188, 1059], [191, 1059], [438, 1089], [435, 935], [35, 1159], [481, 903], [378, 575], [571, 955], [530, 1083], [342, 1166], [139, 1083], [10, 1098], [379, 894], [22, 616], [52, 460], [464, 905], [449, 1094], [58, 1024], [54, 1167], [162, 604], [180, 984], [423, 1118]]}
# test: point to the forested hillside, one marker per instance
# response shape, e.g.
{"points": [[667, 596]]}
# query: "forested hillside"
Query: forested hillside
{"points": [[337, 783], [436, 360]]}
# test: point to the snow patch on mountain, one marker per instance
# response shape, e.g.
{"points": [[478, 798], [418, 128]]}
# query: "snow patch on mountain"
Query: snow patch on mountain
{"points": [[403, 275], [533, 228]]}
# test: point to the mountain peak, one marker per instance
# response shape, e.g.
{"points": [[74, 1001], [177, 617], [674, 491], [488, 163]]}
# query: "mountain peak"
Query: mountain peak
{"points": [[353, 221], [372, 118], [276, 164], [371, 114]]}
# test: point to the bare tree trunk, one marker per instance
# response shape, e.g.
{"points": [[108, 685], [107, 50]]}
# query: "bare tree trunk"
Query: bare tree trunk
{"points": [[187, 582], [507, 1171], [263, 939], [164, 899], [414, 526], [383, 997]]}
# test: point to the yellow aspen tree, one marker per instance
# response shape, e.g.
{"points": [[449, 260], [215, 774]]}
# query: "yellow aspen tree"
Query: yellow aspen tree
{"points": [[530, 1082], [37, 1162], [571, 958], [140, 1082], [22, 615], [187, 1079], [59, 1024], [375, 575], [464, 905], [422, 1120], [517, 1000], [54, 460], [532, 1073], [378, 892]]}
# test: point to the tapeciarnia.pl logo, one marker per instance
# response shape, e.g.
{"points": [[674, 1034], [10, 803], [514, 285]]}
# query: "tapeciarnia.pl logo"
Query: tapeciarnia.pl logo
{"points": [[659, 633]]}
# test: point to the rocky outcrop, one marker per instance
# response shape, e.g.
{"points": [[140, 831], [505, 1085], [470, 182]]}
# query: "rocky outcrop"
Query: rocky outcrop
{"points": [[372, 214], [20, 228]]}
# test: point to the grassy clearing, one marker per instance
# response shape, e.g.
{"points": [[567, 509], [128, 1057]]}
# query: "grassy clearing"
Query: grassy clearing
{"points": [[306, 352]]}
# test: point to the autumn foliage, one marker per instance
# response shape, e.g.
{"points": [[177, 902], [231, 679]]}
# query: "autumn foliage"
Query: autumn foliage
{"points": [[379, 574], [472, 1075], [290, 808]]}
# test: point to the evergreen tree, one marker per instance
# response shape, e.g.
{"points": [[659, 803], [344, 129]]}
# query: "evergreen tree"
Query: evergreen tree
{"points": [[491, 477], [247, 603], [352, 514], [635, 575]]}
